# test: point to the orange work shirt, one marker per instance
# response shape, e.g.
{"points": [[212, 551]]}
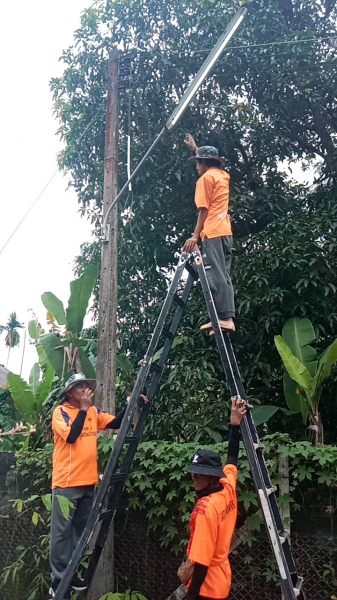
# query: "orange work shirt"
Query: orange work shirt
{"points": [[212, 192], [212, 526], [76, 464]]}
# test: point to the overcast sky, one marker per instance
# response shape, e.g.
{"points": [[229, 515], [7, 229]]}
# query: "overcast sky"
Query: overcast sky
{"points": [[40, 256]]}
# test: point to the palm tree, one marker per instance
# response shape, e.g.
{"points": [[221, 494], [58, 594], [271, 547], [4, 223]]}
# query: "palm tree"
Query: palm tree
{"points": [[12, 338]]}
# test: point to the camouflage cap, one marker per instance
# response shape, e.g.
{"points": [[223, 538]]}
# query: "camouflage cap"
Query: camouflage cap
{"points": [[75, 380], [208, 152]]}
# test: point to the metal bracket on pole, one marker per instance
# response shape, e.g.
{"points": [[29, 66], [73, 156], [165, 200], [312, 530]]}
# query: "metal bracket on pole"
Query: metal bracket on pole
{"points": [[105, 233]]}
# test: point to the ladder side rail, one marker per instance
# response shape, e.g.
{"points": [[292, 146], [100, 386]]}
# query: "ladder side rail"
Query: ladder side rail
{"points": [[230, 376], [125, 426], [255, 439], [132, 448], [248, 431], [164, 311], [250, 427], [155, 380], [100, 496]]}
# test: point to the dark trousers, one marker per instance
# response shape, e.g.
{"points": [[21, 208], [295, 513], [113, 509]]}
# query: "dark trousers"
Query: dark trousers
{"points": [[206, 598], [217, 257], [65, 533]]}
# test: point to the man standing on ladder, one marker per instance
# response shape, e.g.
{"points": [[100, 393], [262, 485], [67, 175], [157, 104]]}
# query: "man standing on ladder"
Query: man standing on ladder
{"points": [[214, 229], [75, 425], [206, 570]]}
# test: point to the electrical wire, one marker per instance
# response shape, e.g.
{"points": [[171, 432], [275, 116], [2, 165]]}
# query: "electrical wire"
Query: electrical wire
{"points": [[47, 184], [28, 211], [303, 68], [243, 46]]}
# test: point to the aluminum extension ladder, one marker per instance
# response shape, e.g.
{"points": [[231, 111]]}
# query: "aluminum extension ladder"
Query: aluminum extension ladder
{"points": [[149, 375]]}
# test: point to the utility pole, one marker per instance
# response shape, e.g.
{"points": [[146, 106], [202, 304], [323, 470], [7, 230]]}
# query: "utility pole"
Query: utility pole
{"points": [[107, 324], [103, 580]]}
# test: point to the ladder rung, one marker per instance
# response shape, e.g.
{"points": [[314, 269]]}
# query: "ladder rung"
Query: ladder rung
{"points": [[271, 490], [167, 333], [131, 439], [191, 271], [117, 477], [284, 535], [107, 514], [298, 586], [155, 367], [258, 446], [178, 300]]}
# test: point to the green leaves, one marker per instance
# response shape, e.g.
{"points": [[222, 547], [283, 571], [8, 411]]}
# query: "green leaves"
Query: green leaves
{"points": [[297, 371], [29, 399], [65, 505], [299, 334], [128, 595], [34, 377], [54, 306], [309, 375], [23, 397], [262, 414], [81, 290], [326, 360], [56, 355], [44, 387]]}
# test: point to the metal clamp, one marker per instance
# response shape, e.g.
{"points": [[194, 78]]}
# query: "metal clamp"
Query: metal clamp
{"points": [[244, 402], [106, 233]]}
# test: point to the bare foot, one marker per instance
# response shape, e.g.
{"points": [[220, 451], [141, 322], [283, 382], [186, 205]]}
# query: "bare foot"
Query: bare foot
{"points": [[206, 327], [227, 324]]}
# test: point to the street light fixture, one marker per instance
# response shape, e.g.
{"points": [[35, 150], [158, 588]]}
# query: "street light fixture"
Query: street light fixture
{"points": [[206, 68], [176, 115]]}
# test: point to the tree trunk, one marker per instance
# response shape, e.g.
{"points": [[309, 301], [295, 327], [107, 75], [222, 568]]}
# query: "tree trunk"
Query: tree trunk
{"points": [[9, 349], [316, 429]]}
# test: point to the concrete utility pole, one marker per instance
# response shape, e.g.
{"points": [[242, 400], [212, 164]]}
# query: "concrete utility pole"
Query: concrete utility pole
{"points": [[107, 341], [103, 580]]}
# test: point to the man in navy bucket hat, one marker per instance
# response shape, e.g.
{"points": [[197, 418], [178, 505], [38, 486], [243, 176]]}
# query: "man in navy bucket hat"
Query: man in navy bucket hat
{"points": [[214, 230], [206, 570]]}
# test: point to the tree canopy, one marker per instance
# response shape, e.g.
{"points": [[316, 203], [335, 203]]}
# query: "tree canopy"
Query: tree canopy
{"points": [[270, 99]]}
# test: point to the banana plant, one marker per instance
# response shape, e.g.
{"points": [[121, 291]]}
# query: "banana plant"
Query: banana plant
{"points": [[65, 349], [29, 397], [305, 372]]}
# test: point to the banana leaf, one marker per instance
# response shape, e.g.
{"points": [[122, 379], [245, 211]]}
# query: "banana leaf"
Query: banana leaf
{"points": [[55, 353], [34, 377], [23, 397], [80, 292], [87, 366], [294, 398], [262, 414], [326, 360], [54, 306], [299, 334], [44, 387], [297, 371]]}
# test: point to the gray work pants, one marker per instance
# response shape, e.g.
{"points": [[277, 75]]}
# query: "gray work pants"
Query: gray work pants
{"points": [[217, 257], [65, 533]]}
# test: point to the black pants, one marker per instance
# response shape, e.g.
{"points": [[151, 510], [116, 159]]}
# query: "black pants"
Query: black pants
{"points": [[206, 598], [65, 533], [217, 257]]}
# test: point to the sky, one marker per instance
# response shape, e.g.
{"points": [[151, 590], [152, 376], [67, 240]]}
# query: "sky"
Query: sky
{"points": [[40, 255]]}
